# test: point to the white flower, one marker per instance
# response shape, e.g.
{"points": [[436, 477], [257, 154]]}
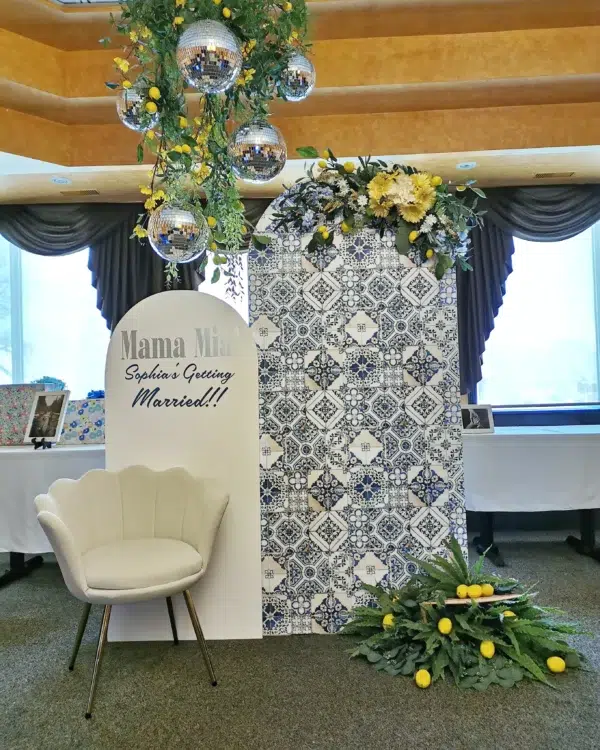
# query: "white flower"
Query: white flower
{"points": [[401, 190], [428, 223], [362, 200], [343, 188]]}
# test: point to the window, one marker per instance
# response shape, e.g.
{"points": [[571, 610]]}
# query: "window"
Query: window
{"points": [[544, 349], [49, 323]]}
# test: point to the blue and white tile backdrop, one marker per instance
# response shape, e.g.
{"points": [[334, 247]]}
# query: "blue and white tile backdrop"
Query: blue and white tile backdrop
{"points": [[361, 447]]}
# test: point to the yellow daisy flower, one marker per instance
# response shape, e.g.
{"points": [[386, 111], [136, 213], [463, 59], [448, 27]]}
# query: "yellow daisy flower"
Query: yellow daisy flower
{"points": [[379, 186], [381, 210], [413, 213]]}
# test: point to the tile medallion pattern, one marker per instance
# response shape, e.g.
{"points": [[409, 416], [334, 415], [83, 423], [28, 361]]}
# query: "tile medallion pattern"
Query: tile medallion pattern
{"points": [[361, 447]]}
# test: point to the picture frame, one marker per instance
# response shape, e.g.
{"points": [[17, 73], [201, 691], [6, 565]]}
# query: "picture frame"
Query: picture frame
{"points": [[477, 418], [47, 416]]}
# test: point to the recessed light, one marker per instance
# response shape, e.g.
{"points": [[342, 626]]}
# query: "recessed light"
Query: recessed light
{"points": [[61, 180], [466, 165]]}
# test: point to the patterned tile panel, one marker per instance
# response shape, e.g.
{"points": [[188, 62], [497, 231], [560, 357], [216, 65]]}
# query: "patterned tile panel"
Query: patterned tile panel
{"points": [[361, 447]]}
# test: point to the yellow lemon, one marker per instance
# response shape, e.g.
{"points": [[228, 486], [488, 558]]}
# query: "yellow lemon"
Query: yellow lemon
{"points": [[423, 678], [322, 163], [487, 589], [556, 664], [474, 591], [213, 246], [154, 92], [127, 84], [217, 2], [151, 135], [345, 227], [178, 20], [461, 188], [186, 149], [487, 649], [349, 166], [322, 229], [211, 221], [462, 591], [294, 35], [436, 181], [183, 123], [325, 154], [508, 613], [287, 7], [388, 621], [429, 254], [445, 625], [412, 237], [325, 235], [151, 108], [178, 148], [226, 13]]}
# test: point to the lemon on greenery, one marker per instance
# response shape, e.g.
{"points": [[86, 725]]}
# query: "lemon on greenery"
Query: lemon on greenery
{"points": [[211, 221], [508, 613], [183, 123], [413, 236], [436, 181], [487, 589], [151, 108], [462, 591], [444, 625], [345, 227], [349, 166], [325, 153], [178, 148], [474, 591], [461, 188], [429, 253], [555, 664], [226, 13], [178, 20], [154, 92], [423, 678], [287, 7], [217, 2], [127, 84], [243, 230], [322, 229], [325, 235], [322, 163], [487, 649], [150, 135], [213, 246], [388, 621], [186, 149]]}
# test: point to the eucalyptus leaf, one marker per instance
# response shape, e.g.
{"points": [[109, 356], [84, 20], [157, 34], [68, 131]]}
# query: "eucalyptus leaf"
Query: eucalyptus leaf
{"points": [[402, 241], [216, 276], [112, 86]]}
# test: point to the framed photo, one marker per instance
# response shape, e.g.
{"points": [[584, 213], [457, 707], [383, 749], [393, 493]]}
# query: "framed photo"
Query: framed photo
{"points": [[47, 416], [477, 418]]}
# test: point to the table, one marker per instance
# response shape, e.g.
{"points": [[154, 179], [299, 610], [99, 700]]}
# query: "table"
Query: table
{"points": [[25, 473], [530, 469]]}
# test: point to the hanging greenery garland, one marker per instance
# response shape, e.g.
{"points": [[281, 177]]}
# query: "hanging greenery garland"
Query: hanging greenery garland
{"points": [[238, 55]]}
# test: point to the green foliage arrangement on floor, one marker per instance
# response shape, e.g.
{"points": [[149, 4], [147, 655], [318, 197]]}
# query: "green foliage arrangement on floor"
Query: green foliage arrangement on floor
{"points": [[461, 623]]}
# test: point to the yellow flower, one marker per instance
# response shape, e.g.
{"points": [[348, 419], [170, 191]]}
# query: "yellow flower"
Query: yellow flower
{"points": [[294, 35], [217, 2], [248, 47], [381, 210], [145, 33], [412, 213], [423, 190], [213, 246], [226, 13], [133, 35], [287, 7], [322, 229], [349, 166], [322, 163], [186, 149], [145, 190], [429, 253], [150, 204], [140, 232], [178, 20], [325, 235], [388, 621], [127, 84], [325, 153], [436, 181], [150, 135], [183, 123], [211, 221], [243, 230], [178, 148], [159, 195], [121, 64], [379, 186], [413, 236], [421, 179], [179, 3], [151, 108], [154, 92]]}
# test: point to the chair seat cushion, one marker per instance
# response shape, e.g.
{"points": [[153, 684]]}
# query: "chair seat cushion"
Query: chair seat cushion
{"points": [[140, 563]]}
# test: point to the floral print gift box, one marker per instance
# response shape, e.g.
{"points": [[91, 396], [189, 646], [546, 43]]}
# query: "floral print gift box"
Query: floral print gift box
{"points": [[84, 422]]}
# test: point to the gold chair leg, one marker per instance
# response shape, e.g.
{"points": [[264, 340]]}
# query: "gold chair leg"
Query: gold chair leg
{"points": [[200, 636], [80, 631], [172, 620], [101, 642]]}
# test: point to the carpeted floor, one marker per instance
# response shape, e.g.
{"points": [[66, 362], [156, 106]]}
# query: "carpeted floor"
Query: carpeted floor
{"points": [[280, 693]]}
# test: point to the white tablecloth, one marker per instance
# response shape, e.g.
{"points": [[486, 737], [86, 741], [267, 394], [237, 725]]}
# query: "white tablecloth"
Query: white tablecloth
{"points": [[25, 473], [526, 469]]}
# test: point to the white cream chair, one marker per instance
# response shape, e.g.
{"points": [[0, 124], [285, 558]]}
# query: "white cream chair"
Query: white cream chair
{"points": [[132, 535]]}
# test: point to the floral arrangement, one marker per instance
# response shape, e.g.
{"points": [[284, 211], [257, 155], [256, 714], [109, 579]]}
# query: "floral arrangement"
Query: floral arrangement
{"points": [[429, 219], [192, 168], [491, 633]]}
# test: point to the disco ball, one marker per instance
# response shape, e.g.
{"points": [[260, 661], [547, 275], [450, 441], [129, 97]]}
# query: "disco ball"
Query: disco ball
{"points": [[298, 79], [131, 108], [258, 152], [175, 235], [209, 57]]}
